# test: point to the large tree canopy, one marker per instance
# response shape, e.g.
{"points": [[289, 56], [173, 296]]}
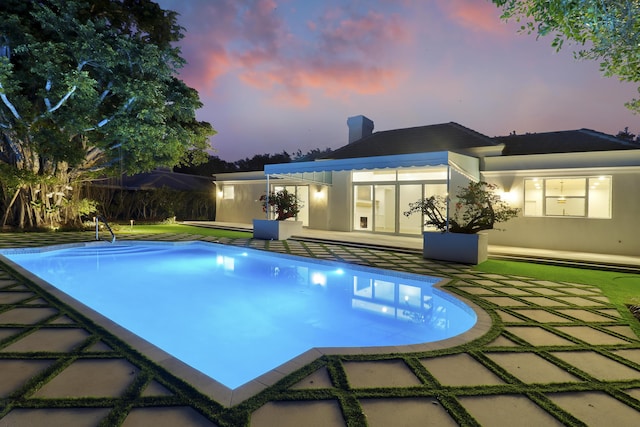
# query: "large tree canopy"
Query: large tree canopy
{"points": [[88, 85], [607, 31]]}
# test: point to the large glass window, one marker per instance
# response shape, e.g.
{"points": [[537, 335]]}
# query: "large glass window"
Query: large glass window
{"points": [[574, 197], [385, 208], [363, 207], [302, 193], [412, 224]]}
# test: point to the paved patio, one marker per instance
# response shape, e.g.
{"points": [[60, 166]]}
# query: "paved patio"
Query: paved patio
{"points": [[559, 354]]}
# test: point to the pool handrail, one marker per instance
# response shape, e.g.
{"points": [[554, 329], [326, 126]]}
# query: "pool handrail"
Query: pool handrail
{"points": [[97, 219]]}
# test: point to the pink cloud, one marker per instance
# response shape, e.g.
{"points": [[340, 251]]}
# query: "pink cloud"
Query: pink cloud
{"points": [[476, 16], [348, 53], [250, 39]]}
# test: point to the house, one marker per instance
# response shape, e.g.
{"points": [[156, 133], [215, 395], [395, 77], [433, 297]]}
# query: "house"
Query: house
{"points": [[578, 190]]}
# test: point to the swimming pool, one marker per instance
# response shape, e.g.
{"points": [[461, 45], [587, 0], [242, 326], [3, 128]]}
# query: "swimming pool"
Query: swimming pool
{"points": [[235, 313]]}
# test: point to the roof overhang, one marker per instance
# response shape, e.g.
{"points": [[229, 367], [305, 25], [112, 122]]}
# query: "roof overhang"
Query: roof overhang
{"points": [[582, 160], [316, 171]]}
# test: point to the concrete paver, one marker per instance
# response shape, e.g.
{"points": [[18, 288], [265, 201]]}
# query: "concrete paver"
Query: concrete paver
{"points": [[507, 411], [467, 372], [531, 368], [384, 373], [319, 413], [59, 417], [409, 412], [89, 377], [596, 409], [532, 315]]}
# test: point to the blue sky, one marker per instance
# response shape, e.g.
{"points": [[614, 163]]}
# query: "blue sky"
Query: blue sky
{"points": [[285, 75]]}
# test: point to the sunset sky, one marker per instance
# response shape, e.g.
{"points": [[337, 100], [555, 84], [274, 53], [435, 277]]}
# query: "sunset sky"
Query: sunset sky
{"points": [[280, 75]]}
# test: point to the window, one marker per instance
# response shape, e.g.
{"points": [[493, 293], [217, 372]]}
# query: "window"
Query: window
{"points": [[228, 192], [586, 197]]}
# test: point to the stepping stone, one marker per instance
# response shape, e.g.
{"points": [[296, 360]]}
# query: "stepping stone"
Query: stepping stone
{"points": [[507, 411], [504, 301], [460, 370], [62, 320], [76, 417], [14, 373], [166, 417], [50, 340], [502, 342], [581, 302], [318, 413], [26, 316], [547, 291], [537, 336], [542, 316], [544, 302], [610, 312], [155, 389], [476, 290], [488, 283], [531, 368], [623, 330], [634, 392], [8, 332], [598, 366], [596, 408], [584, 315], [14, 297], [586, 292], [319, 379], [520, 283], [409, 412], [591, 335], [513, 291], [547, 283], [384, 373], [508, 317], [90, 378], [630, 354]]}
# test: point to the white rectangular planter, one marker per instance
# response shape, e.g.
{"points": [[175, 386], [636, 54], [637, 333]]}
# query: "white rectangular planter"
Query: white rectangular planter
{"points": [[269, 229], [456, 247]]}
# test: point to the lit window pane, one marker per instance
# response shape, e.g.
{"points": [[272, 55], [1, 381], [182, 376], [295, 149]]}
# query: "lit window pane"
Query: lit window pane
{"points": [[574, 187], [600, 197], [422, 174], [565, 206], [228, 192], [533, 197]]}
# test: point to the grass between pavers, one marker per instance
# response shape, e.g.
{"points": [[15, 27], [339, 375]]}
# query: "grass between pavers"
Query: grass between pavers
{"points": [[622, 289], [349, 398]]}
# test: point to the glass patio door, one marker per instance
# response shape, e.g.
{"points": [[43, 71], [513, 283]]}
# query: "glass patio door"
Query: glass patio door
{"points": [[384, 208]]}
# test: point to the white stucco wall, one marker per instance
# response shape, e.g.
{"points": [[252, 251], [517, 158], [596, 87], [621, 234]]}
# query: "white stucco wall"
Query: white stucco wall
{"points": [[619, 235], [245, 205], [340, 201]]}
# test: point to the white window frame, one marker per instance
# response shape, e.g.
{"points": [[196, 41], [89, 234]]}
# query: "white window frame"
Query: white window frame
{"points": [[543, 198]]}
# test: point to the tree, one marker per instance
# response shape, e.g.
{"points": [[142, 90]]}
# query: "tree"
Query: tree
{"points": [[258, 161], [476, 208], [627, 136], [88, 86], [608, 31]]}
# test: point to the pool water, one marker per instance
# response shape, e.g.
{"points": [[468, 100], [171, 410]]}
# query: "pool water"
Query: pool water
{"points": [[234, 313]]}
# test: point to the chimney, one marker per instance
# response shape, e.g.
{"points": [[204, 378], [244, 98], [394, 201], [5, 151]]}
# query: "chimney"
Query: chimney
{"points": [[359, 127]]}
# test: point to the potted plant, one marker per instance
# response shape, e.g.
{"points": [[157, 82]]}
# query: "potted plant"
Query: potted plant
{"points": [[477, 208], [284, 206]]}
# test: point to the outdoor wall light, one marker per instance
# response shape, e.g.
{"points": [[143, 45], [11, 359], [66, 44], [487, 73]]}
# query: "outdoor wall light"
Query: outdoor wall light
{"points": [[319, 194]]}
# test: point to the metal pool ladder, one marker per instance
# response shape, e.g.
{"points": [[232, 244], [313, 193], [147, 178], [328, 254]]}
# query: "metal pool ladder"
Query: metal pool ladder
{"points": [[99, 218]]}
